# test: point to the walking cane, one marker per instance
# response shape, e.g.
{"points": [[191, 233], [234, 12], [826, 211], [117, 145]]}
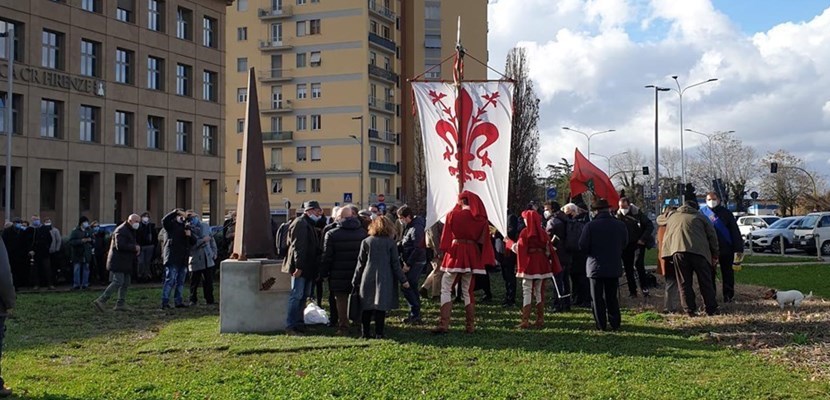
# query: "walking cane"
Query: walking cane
{"points": [[558, 295]]}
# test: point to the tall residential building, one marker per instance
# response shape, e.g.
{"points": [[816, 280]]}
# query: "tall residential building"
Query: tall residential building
{"points": [[330, 87], [118, 107]]}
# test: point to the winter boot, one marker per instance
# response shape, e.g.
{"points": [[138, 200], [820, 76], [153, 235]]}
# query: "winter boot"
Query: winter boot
{"points": [[443, 319], [525, 317], [470, 313], [540, 315]]}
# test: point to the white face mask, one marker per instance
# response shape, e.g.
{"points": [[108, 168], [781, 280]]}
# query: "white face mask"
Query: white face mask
{"points": [[134, 225], [548, 213], [712, 203], [85, 225], [374, 216], [314, 217], [145, 220], [624, 211], [180, 219]]}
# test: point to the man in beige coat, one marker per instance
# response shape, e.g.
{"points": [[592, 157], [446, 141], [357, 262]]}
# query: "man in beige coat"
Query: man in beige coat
{"points": [[692, 244]]}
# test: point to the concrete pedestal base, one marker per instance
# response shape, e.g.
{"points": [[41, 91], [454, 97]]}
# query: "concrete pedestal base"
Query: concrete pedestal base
{"points": [[249, 303]]}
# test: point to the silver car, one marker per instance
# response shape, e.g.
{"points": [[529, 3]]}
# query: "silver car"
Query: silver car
{"points": [[769, 238]]}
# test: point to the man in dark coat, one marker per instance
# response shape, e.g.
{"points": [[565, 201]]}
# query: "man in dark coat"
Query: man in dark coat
{"points": [[302, 262], [603, 241], [147, 239], [12, 235], [80, 255], [341, 246], [414, 257], [730, 243], [41, 271], [121, 260], [556, 227], [175, 252], [640, 230]]}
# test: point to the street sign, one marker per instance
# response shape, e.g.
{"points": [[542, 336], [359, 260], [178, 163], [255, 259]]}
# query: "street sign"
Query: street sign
{"points": [[287, 205], [382, 207], [754, 195], [347, 197], [551, 193]]}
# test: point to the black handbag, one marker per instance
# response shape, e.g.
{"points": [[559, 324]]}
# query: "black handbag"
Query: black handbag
{"points": [[355, 309]]}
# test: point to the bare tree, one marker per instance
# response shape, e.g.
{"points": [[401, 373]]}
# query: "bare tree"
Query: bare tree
{"points": [[524, 144], [628, 168], [788, 184]]}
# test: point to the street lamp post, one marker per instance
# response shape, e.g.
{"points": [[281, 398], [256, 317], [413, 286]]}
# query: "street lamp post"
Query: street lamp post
{"points": [[657, 90], [680, 92], [608, 158], [709, 137], [359, 140], [587, 136], [9, 34]]}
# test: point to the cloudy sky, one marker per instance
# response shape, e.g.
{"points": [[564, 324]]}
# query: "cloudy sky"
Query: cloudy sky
{"points": [[591, 58]]}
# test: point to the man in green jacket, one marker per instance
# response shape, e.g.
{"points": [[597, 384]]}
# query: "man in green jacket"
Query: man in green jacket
{"points": [[692, 244]]}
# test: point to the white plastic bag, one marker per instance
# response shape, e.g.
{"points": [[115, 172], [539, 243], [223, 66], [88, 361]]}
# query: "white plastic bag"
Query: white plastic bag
{"points": [[314, 315]]}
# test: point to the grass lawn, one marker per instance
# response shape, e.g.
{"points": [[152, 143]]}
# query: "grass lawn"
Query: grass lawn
{"points": [[651, 258], [806, 278], [59, 347]]}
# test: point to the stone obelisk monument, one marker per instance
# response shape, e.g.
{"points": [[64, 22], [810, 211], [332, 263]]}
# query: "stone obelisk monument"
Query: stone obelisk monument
{"points": [[254, 291]]}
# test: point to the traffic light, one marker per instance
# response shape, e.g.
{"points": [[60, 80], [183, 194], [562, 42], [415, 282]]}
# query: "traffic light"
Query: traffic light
{"points": [[645, 170], [773, 168]]}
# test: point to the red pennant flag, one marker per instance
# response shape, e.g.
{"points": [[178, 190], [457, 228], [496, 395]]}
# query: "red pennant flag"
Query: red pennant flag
{"points": [[587, 177]]}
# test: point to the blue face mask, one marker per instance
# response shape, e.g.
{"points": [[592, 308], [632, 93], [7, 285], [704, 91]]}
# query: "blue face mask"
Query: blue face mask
{"points": [[95, 229], [36, 223], [194, 221], [18, 226]]}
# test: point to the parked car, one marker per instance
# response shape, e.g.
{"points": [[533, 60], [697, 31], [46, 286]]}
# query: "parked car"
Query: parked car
{"points": [[770, 238], [814, 225], [750, 223]]}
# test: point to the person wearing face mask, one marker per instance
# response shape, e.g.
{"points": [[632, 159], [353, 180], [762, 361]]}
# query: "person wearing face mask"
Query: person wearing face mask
{"points": [[414, 257], [341, 246], [640, 231], [146, 237], [730, 243], [41, 271], [176, 250], [80, 255], [121, 260], [202, 260], [302, 262], [556, 227], [55, 255]]}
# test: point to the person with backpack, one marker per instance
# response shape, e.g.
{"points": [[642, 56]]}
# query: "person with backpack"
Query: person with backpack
{"points": [[575, 221], [640, 230]]}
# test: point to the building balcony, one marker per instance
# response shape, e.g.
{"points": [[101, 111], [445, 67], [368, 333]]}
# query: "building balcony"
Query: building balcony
{"points": [[275, 169], [386, 168], [386, 137], [277, 137], [382, 73], [382, 43], [381, 11], [275, 75], [273, 107], [268, 14], [274, 45], [381, 105]]}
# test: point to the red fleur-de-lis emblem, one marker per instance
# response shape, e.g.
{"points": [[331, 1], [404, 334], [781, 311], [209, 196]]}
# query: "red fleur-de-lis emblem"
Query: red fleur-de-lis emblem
{"points": [[464, 121]]}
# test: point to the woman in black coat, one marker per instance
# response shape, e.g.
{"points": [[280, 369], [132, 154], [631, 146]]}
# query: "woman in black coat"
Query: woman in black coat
{"points": [[341, 246]]}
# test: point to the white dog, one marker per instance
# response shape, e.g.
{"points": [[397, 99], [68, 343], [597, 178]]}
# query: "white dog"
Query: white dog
{"points": [[788, 297]]}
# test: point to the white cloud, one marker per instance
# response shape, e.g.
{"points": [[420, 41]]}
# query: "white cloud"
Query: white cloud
{"points": [[589, 61]]}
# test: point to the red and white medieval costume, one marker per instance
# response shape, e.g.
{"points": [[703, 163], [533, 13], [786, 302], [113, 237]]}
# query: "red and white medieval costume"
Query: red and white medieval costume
{"points": [[467, 248]]}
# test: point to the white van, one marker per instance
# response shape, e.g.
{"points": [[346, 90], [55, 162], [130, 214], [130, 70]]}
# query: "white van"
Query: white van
{"points": [[813, 224]]}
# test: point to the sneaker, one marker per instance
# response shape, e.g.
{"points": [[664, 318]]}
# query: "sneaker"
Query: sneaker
{"points": [[645, 293], [165, 307], [99, 305]]}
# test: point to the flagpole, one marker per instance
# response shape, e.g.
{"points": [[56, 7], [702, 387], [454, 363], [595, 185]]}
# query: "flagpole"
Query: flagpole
{"points": [[458, 76]]}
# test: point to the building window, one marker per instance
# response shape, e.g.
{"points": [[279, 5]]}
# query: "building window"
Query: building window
{"points": [[316, 91], [388, 125], [240, 125], [373, 153], [300, 2], [89, 58], [301, 60], [302, 90], [242, 33], [89, 123], [17, 49], [124, 10], [209, 27], [385, 32], [432, 12], [302, 28], [155, 15], [209, 79], [316, 122], [184, 23], [387, 185], [387, 156], [433, 71], [155, 132], [316, 153], [184, 74], [301, 154], [302, 122], [209, 133], [123, 66], [373, 185], [314, 27], [315, 59], [301, 182], [387, 64], [432, 41], [155, 73], [241, 5], [91, 5], [373, 58], [242, 64], [315, 185], [17, 100], [373, 121], [182, 136], [51, 53], [241, 95], [373, 27], [50, 118], [123, 127], [276, 185], [239, 156]]}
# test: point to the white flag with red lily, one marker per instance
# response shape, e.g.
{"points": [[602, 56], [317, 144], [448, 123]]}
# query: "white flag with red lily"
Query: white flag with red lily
{"points": [[481, 112]]}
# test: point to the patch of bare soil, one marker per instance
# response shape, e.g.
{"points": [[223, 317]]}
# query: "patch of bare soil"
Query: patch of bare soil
{"points": [[797, 339]]}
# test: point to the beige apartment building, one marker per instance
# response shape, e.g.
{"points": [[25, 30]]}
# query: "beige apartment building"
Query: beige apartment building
{"points": [[334, 102], [118, 107]]}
